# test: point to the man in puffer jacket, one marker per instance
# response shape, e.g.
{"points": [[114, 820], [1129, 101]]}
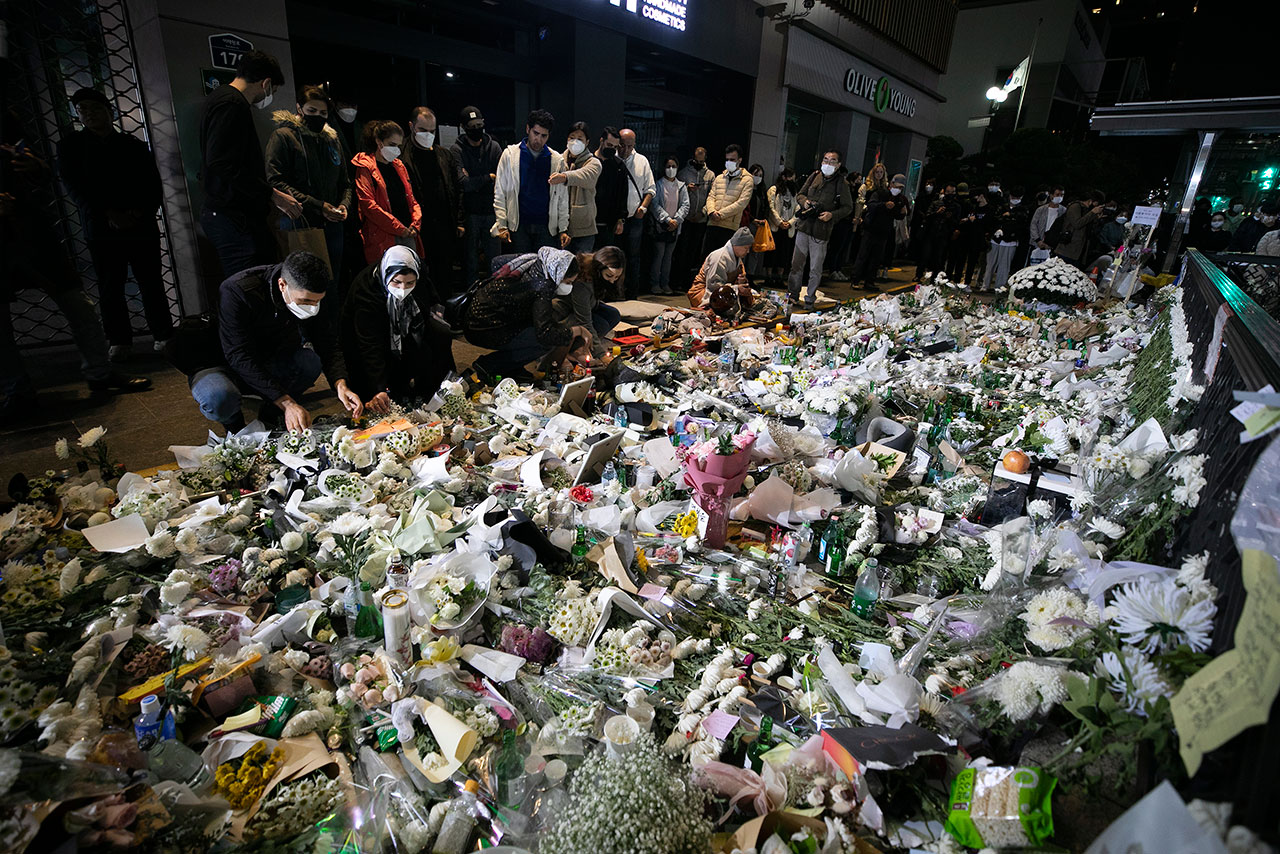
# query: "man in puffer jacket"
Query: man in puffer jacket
{"points": [[305, 159], [823, 201], [730, 194]]}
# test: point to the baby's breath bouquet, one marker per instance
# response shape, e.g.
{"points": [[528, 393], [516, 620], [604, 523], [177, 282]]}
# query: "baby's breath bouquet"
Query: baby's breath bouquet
{"points": [[637, 802]]}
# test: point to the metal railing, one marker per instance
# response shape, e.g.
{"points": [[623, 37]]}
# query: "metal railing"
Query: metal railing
{"points": [[1256, 275]]}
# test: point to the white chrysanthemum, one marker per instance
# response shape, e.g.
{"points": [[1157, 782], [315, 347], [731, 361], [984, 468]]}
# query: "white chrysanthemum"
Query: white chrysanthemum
{"points": [[1039, 509], [291, 541], [189, 640], [349, 524], [1027, 688], [62, 449], [187, 541], [1161, 615], [1106, 527], [1054, 618], [1144, 684], [175, 594], [161, 545], [90, 437]]}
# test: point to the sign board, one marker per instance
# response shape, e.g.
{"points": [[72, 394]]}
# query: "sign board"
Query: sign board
{"points": [[668, 13], [1147, 216], [212, 78], [226, 50], [879, 91], [914, 168]]}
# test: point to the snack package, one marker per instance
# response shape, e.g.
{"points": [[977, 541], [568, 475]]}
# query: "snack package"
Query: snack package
{"points": [[1001, 807]]}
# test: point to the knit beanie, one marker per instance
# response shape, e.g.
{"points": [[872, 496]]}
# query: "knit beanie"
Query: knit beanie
{"points": [[899, 179], [742, 237]]}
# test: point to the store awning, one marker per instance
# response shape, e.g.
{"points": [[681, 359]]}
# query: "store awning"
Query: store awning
{"points": [[1165, 118]]}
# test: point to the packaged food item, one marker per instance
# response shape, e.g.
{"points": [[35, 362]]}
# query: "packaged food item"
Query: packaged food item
{"points": [[1001, 807]]}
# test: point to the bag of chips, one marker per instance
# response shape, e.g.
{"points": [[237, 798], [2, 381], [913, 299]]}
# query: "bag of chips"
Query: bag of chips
{"points": [[1001, 807]]}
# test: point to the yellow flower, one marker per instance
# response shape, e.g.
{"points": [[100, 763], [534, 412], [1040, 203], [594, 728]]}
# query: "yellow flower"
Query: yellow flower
{"points": [[642, 562], [441, 650], [255, 753], [686, 524]]}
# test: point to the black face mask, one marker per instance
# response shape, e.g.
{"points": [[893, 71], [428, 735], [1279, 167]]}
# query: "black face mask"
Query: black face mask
{"points": [[315, 123], [608, 151], [475, 133]]}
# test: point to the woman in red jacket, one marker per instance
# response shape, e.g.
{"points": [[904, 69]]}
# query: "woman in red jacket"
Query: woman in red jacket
{"points": [[389, 214]]}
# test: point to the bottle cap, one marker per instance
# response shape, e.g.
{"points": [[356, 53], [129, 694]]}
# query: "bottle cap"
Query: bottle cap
{"points": [[151, 705], [471, 786]]}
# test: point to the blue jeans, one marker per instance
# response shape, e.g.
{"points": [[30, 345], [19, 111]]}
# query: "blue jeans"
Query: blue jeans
{"points": [[511, 358], [240, 241], [531, 238], [603, 318], [586, 243], [477, 239], [217, 390], [660, 271]]}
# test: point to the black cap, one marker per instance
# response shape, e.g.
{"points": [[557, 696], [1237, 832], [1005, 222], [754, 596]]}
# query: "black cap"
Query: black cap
{"points": [[471, 114], [87, 94]]}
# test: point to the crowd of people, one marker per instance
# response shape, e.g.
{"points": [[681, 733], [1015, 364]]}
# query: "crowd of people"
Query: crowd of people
{"points": [[393, 243]]}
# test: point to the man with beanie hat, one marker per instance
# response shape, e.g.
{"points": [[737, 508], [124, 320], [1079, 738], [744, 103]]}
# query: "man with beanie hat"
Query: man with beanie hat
{"points": [[883, 207], [824, 200], [478, 154], [722, 267]]}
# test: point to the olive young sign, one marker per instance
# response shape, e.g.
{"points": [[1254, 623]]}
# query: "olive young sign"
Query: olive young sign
{"points": [[668, 13], [879, 92]]}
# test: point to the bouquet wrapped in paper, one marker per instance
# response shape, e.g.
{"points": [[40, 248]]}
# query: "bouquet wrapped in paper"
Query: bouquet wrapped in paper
{"points": [[716, 469]]}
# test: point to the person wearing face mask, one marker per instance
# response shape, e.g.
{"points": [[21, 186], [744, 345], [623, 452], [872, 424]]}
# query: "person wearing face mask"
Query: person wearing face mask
{"points": [[304, 159], [670, 207], [697, 179], [394, 338], [940, 225], [1006, 231], [1019, 215], [995, 196], [729, 196], [233, 172], [437, 185], [781, 200], [513, 313], [389, 213], [477, 154], [917, 248], [1079, 219], [882, 208], [640, 190], [611, 189], [756, 215], [823, 201], [1269, 243], [1250, 232], [112, 178], [342, 116], [1235, 215], [529, 211], [1042, 220], [264, 313], [581, 174]]}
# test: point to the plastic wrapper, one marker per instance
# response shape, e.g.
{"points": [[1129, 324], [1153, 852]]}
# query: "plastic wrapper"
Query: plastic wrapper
{"points": [[1001, 807]]}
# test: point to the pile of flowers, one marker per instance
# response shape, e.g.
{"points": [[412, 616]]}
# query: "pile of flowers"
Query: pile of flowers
{"points": [[1056, 282]]}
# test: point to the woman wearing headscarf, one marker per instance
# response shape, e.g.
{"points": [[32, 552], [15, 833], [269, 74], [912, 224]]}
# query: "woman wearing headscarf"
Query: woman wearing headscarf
{"points": [[513, 314], [396, 346]]}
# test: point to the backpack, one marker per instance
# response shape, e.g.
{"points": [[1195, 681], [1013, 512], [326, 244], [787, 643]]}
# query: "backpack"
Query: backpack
{"points": [[1058, 233]]}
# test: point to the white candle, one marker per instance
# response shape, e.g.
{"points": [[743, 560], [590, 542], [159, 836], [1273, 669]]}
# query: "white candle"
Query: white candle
{"points": [[395, 627]]}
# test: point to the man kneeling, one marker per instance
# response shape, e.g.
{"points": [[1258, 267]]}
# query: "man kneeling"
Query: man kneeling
{"points": [[723, 267], [264, 314]]}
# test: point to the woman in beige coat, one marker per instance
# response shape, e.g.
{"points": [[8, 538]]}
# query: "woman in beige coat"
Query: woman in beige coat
{"points": [[582, 170]]}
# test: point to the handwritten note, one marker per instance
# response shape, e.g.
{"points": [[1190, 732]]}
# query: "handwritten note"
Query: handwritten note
{"points": [[719, 724], [1235, 690], [652, 591]]}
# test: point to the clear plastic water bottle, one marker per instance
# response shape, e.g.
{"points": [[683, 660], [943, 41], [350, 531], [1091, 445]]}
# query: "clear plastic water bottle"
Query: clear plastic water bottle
{"points": [[147, 724], [620, 418], [460, 822], [866, 592], [609, 475], [727, 354], [170, 759]]}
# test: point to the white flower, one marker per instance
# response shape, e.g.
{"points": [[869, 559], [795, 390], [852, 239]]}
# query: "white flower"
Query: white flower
{"points": [[174, 595], [349, 524], [1053, 617], [161, 545], [1144, 684], [1106, 527], [1039, 509], [90, 437], [187, 541], [1027, 688], [291, 541], [189, 640], [61, 448], [1161, 615]]}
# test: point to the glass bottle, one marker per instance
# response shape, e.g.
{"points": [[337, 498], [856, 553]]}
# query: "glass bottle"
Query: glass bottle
{"points": [[867, 589], [580, 548], [397, 571], [459, 822], [836, 554], [510, 769], [804, 542], [763, 744], [833, 524], [369, 620]]}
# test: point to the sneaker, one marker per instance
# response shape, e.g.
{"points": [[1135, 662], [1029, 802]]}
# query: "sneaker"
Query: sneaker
{"points": [[120, 352], [158, 346]]}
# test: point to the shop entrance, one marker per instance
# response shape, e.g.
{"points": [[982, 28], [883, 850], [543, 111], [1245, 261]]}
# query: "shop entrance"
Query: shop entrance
{"points": [[801, 138]]}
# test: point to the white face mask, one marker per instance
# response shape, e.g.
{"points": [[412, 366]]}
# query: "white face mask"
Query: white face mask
{"points": [[1122, 219], [731, 166], [1057, 200], [265, 102], [347, 114], [671, 173], [576, 147], [564, 288], [398, 292], [1015, 201], [302, 312], [1217, 223], [993, 188], [928, 188], [425, 138], [390, 152], [828, 169], [757, 179], [895, 190]]}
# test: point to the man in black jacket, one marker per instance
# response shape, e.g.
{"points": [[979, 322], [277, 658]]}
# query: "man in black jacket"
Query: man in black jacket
{"points": [[940, 225], [233, 171], [918, 243], [611, 190], [113, 179], [884, 207], [264, 313], [437, 185], [477, 154]]}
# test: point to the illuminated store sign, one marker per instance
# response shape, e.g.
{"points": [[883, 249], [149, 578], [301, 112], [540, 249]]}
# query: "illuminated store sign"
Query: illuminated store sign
{"points": [[668, 13], [878, 91]]}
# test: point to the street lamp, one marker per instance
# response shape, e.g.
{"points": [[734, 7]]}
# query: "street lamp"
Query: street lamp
{"points": [[997, 94]]}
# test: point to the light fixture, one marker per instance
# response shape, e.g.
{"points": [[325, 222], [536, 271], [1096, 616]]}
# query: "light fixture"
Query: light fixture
{"points": [[997, 94], [449, 74]]}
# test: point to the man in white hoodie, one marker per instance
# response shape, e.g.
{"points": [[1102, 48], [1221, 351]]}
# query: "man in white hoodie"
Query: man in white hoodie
{"points": [[529, 211]]}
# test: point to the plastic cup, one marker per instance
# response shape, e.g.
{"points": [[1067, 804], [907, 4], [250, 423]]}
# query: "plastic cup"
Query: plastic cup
{"points": [[621, 734], [642, 713]]}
